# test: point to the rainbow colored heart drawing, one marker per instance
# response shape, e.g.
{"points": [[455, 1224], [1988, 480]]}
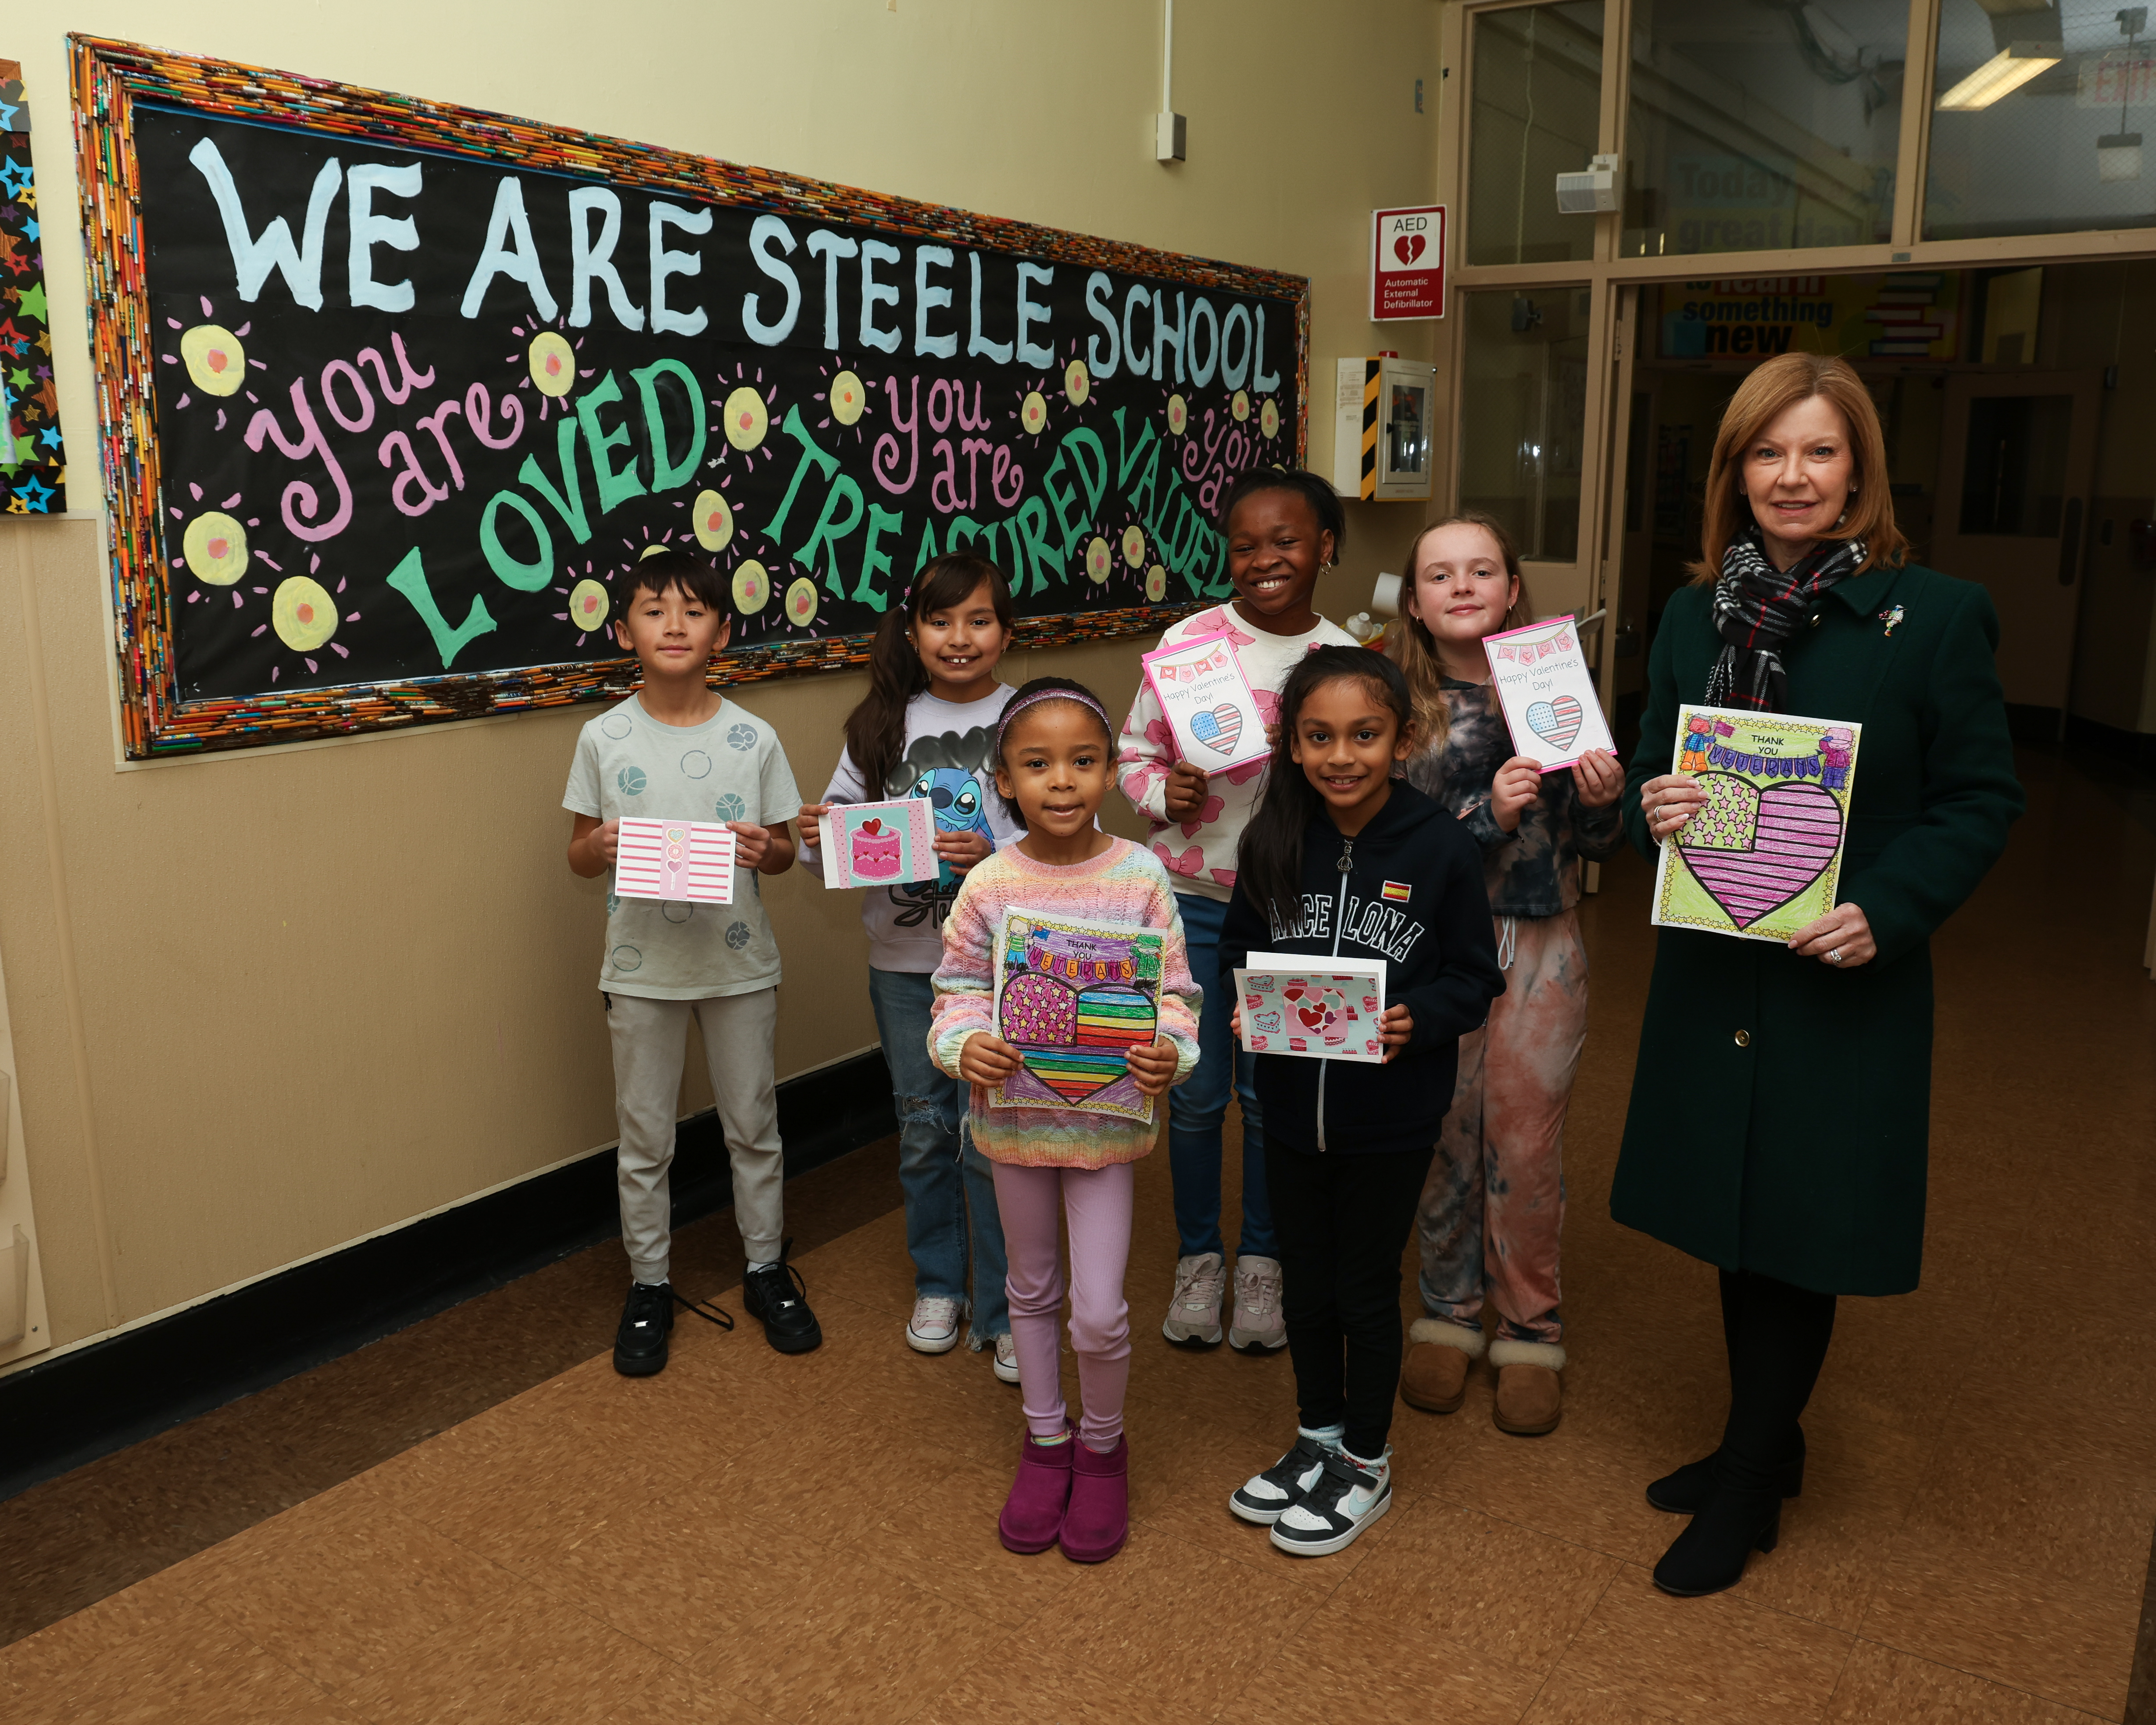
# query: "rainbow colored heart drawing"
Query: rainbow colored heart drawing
{"points": [[1754, 850], [1219, 728], [1555, 721]]}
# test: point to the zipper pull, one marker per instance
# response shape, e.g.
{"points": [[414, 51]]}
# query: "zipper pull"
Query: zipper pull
{"points": [[1346, 863]]}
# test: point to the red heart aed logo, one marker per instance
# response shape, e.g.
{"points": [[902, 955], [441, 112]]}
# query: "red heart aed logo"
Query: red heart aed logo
{"points": [[1408, 247]]}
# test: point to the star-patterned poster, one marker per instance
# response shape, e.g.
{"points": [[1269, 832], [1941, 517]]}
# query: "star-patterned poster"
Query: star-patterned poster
{"points": [[33, 460]]}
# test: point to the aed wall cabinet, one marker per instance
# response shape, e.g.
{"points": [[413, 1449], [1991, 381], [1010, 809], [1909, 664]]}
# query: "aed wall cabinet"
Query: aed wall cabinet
{"points": [[1382, 425]]}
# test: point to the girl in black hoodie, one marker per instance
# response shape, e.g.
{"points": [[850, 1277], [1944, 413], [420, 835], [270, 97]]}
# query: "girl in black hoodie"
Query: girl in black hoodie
{"points": [[1343, 860]]}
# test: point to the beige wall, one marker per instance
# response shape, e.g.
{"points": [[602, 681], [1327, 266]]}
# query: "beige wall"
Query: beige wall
{"points": [[267, 1003]]}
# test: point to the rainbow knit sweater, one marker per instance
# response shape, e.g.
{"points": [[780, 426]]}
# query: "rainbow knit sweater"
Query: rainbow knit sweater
{"points": [[1124, 884]]}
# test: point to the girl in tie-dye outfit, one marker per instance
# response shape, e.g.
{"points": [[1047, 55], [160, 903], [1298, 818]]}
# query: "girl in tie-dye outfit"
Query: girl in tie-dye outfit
{"points": [[1494, 1207]]}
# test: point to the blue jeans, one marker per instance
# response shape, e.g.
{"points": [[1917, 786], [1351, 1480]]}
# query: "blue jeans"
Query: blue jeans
{"points": [[1197, 1106], [943, 1177]]}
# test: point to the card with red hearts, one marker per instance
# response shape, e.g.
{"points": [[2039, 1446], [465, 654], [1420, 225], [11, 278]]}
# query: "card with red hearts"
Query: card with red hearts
{"points": [[878, 843], [1540, 679], [1320, 1009], [1207, 703]]}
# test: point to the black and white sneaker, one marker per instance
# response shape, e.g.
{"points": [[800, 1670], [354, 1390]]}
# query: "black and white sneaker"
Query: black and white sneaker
{"points": [[778, 1298], [1262, 1497], [1346, 1497], [639, 1345]]}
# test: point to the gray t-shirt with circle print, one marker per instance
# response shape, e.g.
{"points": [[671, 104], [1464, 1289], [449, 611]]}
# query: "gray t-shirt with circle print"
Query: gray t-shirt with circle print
{"points": [[730, 767]]}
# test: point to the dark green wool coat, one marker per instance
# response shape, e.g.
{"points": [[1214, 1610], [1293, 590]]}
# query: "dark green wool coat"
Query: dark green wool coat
{"points": [[1780, 1111]]}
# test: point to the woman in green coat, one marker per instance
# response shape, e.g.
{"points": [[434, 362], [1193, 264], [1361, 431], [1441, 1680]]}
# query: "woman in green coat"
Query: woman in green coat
{"points": [[1778, 1123]]}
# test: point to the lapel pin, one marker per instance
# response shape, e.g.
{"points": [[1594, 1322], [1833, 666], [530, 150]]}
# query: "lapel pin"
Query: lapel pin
{"points": [[1891, 618]]}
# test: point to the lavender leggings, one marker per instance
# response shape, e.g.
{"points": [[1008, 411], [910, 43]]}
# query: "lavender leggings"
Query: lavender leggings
{"points": [[1098, 1203]]}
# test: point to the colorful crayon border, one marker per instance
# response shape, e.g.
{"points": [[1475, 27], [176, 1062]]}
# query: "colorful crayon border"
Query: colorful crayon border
{"points": [[108, 76]]}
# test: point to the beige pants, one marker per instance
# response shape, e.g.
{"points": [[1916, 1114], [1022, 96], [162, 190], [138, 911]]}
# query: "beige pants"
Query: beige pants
{"points": [[651, 1041]]}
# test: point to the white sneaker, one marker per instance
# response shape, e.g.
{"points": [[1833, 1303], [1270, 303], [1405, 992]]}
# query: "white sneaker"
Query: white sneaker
{"points": [[1262, 1497], [933, 1328], [1193, 1315], [1006, 1367], [1348, 1494]]}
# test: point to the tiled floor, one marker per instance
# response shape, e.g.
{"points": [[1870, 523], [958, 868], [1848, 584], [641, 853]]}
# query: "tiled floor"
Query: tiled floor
{"points": [[752, 1538]]}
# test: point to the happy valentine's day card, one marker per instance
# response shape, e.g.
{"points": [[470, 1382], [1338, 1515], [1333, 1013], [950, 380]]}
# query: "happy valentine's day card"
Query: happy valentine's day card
{"points": [[682, 861], [878, 843], [1324, 1008], [1540, 674], [1074, 998], [1763, 857], [1207, 703]]}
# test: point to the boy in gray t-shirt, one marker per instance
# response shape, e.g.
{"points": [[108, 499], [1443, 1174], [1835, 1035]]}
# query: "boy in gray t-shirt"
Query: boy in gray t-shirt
{"points": [[679, 750]]}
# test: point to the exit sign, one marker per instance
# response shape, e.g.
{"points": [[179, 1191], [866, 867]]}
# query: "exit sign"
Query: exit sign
{"points": [[1407, 263]]}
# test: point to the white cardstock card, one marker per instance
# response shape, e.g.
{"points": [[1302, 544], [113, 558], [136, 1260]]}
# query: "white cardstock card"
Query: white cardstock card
{"points": [[878, 843], [1207, 703], [1540, 674], [1322, 1009], [685, 861]]}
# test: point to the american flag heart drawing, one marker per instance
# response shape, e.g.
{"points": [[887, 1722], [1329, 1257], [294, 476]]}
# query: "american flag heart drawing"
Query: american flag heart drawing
{"points": [[1219, 728], [1555, 721]]}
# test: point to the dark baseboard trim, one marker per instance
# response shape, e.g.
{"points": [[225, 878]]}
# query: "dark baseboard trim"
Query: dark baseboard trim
{"points": [[2136, 747], [56, 1416]]}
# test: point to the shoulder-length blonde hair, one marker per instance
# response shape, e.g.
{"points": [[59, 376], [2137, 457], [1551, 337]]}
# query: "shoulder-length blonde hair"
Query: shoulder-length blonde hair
{"points": [[1770, 391], [1409, 644]]}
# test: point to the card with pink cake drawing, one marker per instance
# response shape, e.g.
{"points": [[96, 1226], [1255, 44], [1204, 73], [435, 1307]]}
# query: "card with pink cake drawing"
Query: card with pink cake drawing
{"points": [[1763, 857], [1320, 1008], [682, 861], [1207, 703], [878, 843]]}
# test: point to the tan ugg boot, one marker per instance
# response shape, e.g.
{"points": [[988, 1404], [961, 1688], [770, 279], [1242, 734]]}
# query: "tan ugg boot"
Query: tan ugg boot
{"points": [[1530, 1394], [1435, 1376]]}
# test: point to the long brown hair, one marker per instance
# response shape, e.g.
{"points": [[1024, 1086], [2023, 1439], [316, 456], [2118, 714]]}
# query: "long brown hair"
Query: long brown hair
{"points": [[1409, 644], [1771, 390], [875, 730]]}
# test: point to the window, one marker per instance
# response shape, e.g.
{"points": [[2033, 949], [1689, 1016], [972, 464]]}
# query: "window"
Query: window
{"points": [[2036, 117], [1535, 112], [1523, 414], [1766, 125]]}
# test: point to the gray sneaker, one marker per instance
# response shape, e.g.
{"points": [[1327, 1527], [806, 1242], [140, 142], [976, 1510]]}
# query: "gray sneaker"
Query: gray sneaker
{"points": [[1257, 1326], [1193, 1315]]}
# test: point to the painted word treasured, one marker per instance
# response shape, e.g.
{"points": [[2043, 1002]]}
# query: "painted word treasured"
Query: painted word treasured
{"points": [[419, 412]]}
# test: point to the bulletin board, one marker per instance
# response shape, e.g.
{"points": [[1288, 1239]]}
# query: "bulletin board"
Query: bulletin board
{"points": [[393, 395]]}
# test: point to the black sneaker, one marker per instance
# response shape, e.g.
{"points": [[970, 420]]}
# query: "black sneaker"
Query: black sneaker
{"points": [[639, 1345], [1346, 1497], [777, 1296], [1263, 1496]]}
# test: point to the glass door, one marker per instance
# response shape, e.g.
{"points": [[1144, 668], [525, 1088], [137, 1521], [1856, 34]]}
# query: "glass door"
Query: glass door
{"points": [[2018, 459]]}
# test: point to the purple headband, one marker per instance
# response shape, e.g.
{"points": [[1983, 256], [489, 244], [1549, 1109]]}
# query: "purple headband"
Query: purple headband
{"points": [[1084, 699]]}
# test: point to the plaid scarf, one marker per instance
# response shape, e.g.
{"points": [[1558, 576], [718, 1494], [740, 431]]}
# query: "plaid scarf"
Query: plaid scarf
{"points": [[1757, 607]]}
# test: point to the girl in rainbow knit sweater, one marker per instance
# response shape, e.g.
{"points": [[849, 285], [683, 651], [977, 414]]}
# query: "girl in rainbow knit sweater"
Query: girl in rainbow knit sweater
{"points": [[1055, 750]]}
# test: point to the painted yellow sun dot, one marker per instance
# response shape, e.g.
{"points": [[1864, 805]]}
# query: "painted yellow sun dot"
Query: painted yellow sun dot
{"points": [[1179, 414], [1134, 544], [302, 613], [588, 607], [553, 363], [1034, 415], [216, 363], [714, 517], [1156, 583], [1077, 383], [1242, 404], [1269, 418], [1099, 560], [849, 397], [745, 420], [752, 590], [801, 603], [214, 548]]}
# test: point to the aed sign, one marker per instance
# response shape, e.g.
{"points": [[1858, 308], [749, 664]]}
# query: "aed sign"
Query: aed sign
{"points": [[1407, 263]]}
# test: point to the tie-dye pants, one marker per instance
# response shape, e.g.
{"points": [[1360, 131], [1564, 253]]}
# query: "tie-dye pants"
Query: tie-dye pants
{"points": [[1493, 1207]]}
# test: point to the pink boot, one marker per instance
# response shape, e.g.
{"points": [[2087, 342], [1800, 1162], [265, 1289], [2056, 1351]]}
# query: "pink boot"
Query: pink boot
{"points": [[1033, 1514], [1098, 1521]]}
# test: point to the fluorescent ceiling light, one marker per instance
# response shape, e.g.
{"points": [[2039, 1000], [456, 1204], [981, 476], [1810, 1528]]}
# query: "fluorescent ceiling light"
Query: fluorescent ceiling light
{"points": [[2002, 75]]}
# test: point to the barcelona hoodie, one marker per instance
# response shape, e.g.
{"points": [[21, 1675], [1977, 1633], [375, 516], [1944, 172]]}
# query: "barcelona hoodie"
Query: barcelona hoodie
{"points": [[1407, 889]]}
